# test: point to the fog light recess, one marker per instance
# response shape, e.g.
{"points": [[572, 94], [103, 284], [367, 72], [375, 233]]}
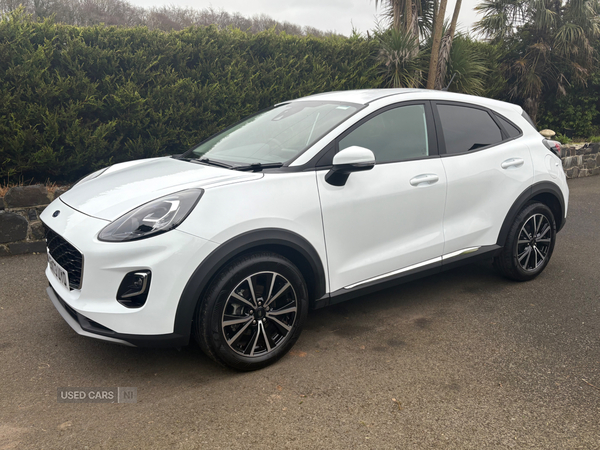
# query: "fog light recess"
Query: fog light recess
{"points": [[134, 288]]}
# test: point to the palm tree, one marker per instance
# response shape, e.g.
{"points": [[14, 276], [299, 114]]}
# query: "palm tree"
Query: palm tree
{"points": [[399, 57], [413, 21], [399, 52], [438, 28], [469, 64], [446, 47], [547, 44], [403, 14]]}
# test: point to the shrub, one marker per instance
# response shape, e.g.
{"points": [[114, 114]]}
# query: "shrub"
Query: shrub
{"points": [[75, 99]]}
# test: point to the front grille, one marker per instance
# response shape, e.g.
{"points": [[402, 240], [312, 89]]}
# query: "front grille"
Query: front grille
{"points": [[66, 255]]}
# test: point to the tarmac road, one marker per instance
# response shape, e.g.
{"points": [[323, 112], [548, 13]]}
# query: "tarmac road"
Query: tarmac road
{"points": [[461, 360]]}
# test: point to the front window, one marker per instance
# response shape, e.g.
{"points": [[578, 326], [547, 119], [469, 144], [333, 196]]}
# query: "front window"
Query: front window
{"points": [[394, 135], [275, 136]]}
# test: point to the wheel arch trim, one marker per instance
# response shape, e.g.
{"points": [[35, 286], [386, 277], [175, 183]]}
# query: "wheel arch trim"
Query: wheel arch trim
{"points": [[543, 187], [256, 239]]}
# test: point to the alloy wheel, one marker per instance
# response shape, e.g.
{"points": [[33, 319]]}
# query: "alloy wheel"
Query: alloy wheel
{"points": [[259, 314], [533, 242]]}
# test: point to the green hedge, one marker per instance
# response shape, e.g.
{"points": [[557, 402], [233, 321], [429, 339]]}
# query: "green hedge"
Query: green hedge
{"points": [[74, 99], [578, 110]]}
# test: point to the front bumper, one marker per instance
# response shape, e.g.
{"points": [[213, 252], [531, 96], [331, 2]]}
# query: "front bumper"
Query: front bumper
{"points": [[93, 311], [86, 327]]}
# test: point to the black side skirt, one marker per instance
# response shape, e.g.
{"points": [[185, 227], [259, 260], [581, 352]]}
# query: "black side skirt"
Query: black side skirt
{"points": [[341, 295]]}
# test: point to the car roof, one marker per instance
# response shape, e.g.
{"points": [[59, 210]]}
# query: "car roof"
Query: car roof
{"points": [[361, 96], [367, 96]]}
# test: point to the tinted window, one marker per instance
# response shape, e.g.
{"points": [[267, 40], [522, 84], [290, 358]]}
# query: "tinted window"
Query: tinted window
{"points": [[509, 127], [394, 135], [466, 129]]}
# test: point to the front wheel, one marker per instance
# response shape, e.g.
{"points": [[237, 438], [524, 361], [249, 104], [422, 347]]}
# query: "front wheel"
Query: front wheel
{"points": [[529, 243], [253, 311]]}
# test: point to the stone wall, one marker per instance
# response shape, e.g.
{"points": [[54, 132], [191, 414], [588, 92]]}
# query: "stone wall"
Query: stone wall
{"points": [[581, 160], [21, 230]]}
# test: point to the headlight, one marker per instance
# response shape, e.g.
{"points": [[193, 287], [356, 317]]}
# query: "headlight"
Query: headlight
{"points": [[155, 217], [91, 176]]}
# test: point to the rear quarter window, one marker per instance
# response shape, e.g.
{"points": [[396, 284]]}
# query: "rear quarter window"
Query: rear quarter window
{"points": [[511, 129]]}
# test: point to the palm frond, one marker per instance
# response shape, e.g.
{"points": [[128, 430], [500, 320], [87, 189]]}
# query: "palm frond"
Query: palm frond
{"points": [[542, 18], [399, 58], [501, 18], [468, 64], [571, 40]]}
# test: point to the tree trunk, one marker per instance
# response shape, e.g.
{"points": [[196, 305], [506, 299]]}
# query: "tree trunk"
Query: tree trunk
{"points": [[531, 106], [445, 48], [397, 15], [438, 22], [415, 19]]}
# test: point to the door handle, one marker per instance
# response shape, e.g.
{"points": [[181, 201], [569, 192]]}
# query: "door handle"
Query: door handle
{"points": [[512, 162], [424, 180]]}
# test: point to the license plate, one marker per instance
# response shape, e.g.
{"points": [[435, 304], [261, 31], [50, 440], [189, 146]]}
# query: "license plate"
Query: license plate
{"points": [[61, 274]]}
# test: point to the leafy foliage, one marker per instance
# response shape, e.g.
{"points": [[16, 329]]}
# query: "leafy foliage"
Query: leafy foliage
{"points": [[577, 110], [547, 45], [468, 63], [74, 99], [399, 58]]}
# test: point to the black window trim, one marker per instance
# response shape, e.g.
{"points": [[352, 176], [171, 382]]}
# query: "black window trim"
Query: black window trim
{"points": [[440, 134], [495, 116], [325, 157]]}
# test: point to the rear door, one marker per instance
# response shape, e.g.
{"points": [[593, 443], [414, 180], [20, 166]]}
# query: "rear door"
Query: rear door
{"points": [[389, 218], [487, 165]]}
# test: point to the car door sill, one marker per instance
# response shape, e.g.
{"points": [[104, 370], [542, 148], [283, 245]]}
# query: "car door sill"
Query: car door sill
{"points": [[407, 274]]}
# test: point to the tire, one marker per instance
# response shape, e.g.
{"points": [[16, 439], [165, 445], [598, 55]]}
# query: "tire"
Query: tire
{"points": [[526, 254], [249, 326]]}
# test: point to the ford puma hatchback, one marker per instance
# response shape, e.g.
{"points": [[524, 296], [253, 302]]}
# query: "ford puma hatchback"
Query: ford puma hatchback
{"points": [[306, 204]]}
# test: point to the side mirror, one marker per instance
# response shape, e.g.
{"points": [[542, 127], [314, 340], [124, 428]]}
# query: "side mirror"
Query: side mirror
{"points": [[351, 159]]}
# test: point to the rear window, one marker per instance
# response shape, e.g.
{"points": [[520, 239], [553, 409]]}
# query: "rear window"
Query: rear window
{"points": [[467, 129]]}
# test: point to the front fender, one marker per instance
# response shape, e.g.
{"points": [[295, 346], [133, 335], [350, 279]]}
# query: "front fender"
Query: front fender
{"points": [[256, 239]]}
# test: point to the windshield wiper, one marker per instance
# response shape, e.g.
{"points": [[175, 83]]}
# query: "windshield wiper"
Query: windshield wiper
{"points": [[213, 162], [257, 167]]}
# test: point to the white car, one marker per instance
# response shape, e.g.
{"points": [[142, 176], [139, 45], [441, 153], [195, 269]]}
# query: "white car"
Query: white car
{"points": [[306, 204]]}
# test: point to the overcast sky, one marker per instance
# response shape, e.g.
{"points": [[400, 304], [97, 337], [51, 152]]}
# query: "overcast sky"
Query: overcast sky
{"points": [[326, 15]]}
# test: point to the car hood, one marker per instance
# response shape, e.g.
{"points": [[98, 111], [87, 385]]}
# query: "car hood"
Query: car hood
{"points": [[125, 186]]}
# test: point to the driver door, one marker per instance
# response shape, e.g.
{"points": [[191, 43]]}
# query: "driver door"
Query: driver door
{"points": [[388, 219]]}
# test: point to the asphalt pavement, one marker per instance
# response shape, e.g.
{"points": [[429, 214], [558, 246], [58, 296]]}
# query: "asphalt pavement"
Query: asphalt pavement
{"points": [[461, 360]]}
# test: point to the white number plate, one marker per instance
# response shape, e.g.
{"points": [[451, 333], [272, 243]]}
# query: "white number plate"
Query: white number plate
{"points": [[61, 274]]}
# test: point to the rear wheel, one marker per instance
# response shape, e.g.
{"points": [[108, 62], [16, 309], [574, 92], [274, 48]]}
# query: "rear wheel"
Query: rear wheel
{"points": [[253, 311], [529, 244]]}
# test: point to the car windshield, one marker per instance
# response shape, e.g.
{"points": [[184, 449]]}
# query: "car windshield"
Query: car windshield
{"points": [[276, 135]]}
